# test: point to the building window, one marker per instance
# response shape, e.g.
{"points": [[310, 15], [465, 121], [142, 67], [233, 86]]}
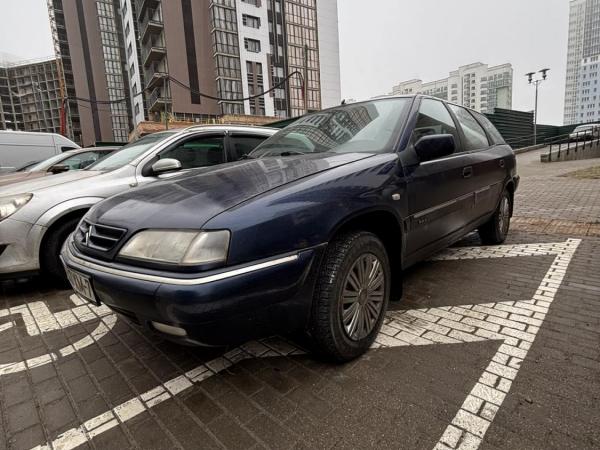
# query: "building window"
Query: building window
{"points": [[252, 45], [252, 2], [251, 21]]}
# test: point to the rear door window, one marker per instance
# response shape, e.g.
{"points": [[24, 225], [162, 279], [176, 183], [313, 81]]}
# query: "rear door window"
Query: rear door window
{"points": [[475, 137]]}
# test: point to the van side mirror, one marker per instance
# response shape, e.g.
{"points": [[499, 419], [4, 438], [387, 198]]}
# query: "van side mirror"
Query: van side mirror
{"points": [[165, 165], [59, 168], [435, 146]]}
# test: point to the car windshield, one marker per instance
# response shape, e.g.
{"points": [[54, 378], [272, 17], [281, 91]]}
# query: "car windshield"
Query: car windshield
{"points": [[47, 163], [130, 152], [362, 127]]}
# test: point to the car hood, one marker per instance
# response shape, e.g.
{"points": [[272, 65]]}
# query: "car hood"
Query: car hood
{"points": [[190, 201], [40, 183], [17, 177]]}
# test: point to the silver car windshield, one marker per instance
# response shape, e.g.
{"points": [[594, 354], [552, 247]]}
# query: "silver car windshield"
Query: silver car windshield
{"points": [[130, 152], [361, 127]]}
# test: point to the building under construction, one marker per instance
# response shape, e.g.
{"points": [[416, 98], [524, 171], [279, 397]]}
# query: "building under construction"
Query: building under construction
{"points": [[30, 95]]}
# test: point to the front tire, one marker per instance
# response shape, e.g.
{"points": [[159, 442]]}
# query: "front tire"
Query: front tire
{"points": [[50, 253], [351, 296], [495, 230]]}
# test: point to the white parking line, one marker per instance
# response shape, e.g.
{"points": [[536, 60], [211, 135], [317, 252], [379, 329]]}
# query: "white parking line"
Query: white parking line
{"points": [[38, 319], [515, 324]]}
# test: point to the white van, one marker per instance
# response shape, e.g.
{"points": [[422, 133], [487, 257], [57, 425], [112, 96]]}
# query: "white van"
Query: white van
{"points": [[20, 148]]}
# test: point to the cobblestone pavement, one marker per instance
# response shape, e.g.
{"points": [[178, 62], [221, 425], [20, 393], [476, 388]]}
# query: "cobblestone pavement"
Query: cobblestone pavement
{"points": [[491, 347], [547, 197]]}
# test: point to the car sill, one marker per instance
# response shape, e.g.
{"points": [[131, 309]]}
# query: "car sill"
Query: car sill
{"points": [[183, 281]]}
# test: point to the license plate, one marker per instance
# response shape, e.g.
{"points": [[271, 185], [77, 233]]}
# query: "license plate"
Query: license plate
{"points": [[82, 285]]}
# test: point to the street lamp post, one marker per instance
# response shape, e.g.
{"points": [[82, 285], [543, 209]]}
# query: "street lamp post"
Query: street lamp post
{"points": [[537, 83]]}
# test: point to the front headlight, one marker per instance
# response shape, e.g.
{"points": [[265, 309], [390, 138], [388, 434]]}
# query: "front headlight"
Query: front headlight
{"points": [[10, 205], [185, 248]]}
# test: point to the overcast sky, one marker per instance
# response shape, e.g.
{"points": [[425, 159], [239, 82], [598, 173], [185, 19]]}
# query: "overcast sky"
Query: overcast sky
{"points": [[383, 42]]}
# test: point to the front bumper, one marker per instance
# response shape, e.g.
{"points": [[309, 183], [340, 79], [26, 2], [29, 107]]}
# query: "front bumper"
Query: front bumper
{"points": [[21, 244], [217, 308]]}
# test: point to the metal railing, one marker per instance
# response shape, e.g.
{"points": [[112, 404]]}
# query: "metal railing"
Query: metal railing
{"points": [[573, 142], [517, 141]]}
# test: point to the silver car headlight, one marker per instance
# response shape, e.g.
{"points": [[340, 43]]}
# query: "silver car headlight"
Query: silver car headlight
{"points": [[185, 248], [10, 205]]}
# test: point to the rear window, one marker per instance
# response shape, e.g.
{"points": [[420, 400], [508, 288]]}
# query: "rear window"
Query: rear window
{"points": [[490, 128]]}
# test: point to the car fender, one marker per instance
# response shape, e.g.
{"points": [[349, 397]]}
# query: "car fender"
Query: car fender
{"points": [[57, 211], [363, 212]]}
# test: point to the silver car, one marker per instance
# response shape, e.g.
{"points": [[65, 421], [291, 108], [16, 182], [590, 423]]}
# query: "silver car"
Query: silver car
{"points": [[585, 132], [37, 216]]}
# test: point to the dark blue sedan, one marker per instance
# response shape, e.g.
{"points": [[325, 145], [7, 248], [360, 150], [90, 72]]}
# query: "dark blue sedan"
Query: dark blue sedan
{"points": [[308, 233]]}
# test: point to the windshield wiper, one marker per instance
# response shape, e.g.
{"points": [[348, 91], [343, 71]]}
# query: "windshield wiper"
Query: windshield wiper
{"points": [[291, 153]]}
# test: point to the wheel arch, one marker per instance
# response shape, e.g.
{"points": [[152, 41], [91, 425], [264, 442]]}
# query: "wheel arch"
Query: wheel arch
{"points": [[511, 187], [67, 216], [387, 226]]}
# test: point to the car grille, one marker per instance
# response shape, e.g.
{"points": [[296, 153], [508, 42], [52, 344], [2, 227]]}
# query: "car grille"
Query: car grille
{"points": [[97, 236]]}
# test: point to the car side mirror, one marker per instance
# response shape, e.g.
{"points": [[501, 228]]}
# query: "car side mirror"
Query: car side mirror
{"points": [[165, 165], [59, 168], [435, 146]]}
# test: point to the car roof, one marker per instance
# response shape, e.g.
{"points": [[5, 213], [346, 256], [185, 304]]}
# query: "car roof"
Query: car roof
{"points": [[221, 127], [93, 149], [391, 96]]}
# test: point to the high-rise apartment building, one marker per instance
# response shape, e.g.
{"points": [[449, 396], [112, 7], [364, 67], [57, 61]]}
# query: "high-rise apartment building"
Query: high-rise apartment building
{"points": [[475, 85], [30, 96], [157, 56], [88, 39], [582, 89]]}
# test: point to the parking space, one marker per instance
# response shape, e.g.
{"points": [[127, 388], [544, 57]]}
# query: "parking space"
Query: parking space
{"points": [[498, 343], [491, 347]]}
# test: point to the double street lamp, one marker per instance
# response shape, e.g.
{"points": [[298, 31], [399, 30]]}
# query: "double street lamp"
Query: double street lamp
{"points": [[536, 82]]}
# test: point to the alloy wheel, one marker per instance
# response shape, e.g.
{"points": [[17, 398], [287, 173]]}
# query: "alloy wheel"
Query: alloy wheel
{"points": [[363, 296], [504, 215]]}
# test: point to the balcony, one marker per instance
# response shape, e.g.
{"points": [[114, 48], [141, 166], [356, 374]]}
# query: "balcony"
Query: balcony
{"points": [[153, 27], [141, 6], [154, 53], [156, 102], [154, 76]]}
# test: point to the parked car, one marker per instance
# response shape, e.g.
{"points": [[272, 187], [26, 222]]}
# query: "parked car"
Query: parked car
{"points": [[69, 160], [19, 148], [310, 233], [585, 132], [37, 216]]}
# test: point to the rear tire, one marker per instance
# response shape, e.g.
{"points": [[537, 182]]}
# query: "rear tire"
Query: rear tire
{"points": [[351, 296], [50, 262], [495, 230]]}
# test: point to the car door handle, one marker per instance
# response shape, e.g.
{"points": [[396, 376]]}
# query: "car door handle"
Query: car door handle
{"points": [[467, 172]]}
